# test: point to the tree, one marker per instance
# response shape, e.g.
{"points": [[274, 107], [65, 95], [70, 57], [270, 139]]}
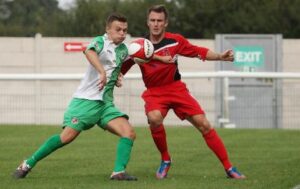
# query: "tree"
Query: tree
{"points": [[193, 19], [28, 17]]}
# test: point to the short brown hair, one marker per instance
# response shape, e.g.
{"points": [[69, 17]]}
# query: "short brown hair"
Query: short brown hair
{"points": [[159, 9], [115, 17]]}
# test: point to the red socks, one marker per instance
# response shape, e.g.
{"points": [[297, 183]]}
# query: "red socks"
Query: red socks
{"points": [[215, 143], [160, 140], [211, 138]]}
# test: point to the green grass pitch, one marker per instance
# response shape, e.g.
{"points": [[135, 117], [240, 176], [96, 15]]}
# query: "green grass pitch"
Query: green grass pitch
{"points": [[269, 159]]}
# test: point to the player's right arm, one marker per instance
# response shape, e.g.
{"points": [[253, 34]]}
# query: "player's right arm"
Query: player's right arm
{"points": [[164, 59], [127, 64], [93, 59], [92, 52]]}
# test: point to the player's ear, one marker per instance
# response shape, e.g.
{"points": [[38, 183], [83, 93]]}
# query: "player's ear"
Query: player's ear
{"points": [[166, 24], [148, 23], [107, 27]]}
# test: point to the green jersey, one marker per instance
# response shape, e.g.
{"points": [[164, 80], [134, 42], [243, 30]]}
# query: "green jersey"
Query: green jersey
{"points": [[111, 56]]}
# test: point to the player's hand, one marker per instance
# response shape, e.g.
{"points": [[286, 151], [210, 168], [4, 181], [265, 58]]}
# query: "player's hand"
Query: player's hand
{"points": [[102, 81], [119, 80], [166, 59], [227, 55]]}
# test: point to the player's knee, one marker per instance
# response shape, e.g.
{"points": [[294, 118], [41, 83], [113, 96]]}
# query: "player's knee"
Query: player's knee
{"points": [[155, 118], [68, 135], [130, 133], [205, 126], [66, 139], [155, 121]]}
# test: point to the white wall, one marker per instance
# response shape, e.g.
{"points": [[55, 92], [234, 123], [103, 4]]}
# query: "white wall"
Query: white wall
{"points": [[19, 102]]}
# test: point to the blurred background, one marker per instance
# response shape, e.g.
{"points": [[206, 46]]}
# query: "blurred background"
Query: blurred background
{"points": [[193, 19], [41, 60]]}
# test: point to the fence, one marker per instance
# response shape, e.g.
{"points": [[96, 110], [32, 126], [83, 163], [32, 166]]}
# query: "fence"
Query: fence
{"points": [[42, 99]]}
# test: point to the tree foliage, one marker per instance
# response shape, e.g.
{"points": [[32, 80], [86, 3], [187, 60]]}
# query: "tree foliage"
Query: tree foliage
{"points": [[194, 19]]}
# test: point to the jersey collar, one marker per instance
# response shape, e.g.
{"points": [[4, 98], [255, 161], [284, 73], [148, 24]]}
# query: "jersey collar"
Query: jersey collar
{"points": [[110, 41]]}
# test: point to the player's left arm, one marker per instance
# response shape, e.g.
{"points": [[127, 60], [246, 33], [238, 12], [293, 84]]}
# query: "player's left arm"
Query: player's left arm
{"points": [[185, 48], [227, 55], [190, 50]]}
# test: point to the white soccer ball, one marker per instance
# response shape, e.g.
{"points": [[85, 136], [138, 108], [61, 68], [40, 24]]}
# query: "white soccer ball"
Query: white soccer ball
{"points": [[141, 50]]}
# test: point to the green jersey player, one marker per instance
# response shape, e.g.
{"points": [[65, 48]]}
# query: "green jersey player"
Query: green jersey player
{"points": [[92, 102]]}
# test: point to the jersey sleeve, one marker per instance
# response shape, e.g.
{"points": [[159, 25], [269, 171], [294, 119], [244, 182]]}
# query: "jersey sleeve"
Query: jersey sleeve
{"points": [[96, 44], [189, 50], [128, 63]]}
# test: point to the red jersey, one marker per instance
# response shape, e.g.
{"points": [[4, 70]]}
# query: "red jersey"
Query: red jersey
{"points": [[156, 73]]}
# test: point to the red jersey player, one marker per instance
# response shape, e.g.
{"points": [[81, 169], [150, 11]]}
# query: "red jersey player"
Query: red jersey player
{"points": [[165, 90]]}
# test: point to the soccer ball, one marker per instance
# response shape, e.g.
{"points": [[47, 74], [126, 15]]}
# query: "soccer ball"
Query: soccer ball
{"points": [[141, 50]]}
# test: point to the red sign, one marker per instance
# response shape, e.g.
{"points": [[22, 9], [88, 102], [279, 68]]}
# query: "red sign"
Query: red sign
{"points": [[75, 46]]}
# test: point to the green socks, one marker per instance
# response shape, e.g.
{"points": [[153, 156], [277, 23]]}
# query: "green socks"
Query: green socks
{"points": [[123, 154], [52, 144]]}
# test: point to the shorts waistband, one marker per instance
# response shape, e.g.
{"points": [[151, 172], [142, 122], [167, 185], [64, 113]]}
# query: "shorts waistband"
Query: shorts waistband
{"points": [[178, 83]]}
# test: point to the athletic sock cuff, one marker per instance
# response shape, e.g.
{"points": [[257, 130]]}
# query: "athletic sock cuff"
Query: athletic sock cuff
{"points": [[211, 133], [126, 140], [158, 129], [56, 139]]}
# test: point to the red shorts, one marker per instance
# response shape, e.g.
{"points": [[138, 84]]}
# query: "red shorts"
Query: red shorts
{"points": [[173, 96]]}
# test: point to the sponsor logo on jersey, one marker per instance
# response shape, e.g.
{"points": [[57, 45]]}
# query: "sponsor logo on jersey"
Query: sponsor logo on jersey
{"points": [[123, 55]]}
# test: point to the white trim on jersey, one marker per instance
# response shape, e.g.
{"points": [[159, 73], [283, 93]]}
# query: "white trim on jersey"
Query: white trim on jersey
{"points": [[166, 46]]}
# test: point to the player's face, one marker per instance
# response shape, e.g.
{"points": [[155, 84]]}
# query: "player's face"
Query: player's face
{"points": [[117, 31], [157, 23]]}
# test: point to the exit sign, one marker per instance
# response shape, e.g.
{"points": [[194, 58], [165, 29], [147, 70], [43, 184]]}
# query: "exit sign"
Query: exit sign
{"points": [[249, 56]]}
